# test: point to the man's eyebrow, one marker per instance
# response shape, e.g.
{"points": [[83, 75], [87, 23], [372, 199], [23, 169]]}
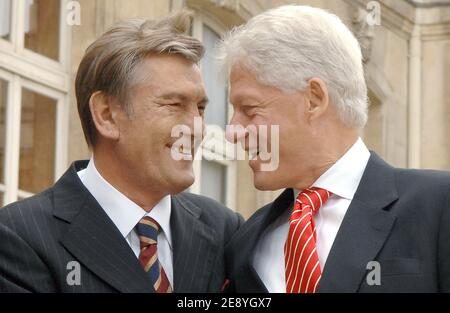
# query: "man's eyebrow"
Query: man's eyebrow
{"points": [[239, 99], [181, 97], [173, 95]]}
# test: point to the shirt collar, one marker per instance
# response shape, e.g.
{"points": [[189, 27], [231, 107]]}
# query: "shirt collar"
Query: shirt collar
{"points": [[342, 179], [124, 213], [161, 213]]}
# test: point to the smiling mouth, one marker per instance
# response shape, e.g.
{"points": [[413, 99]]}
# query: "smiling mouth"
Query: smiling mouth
{"points": [[182, 152], [253, 154]]}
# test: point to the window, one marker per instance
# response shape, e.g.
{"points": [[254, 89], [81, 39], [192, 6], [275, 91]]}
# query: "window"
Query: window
{"points": [[216, 172], [34, 82], [5, 21], [37, 142], [216, 89], [213, 180], [41, 35]]}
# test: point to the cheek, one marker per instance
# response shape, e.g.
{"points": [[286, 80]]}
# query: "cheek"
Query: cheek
{"points": [[146, 138], [290, 140]]}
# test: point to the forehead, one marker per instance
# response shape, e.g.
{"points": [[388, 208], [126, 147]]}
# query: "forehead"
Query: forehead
{"points": [[240, 75], [243, 85], [164, 73]]}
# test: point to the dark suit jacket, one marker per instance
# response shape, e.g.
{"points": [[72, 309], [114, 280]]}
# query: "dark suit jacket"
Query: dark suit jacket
{"points": [[40, 235], [398, 217]]}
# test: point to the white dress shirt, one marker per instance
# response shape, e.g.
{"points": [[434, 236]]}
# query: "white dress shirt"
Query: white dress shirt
{"points": [[125, 214], [342, 180]]}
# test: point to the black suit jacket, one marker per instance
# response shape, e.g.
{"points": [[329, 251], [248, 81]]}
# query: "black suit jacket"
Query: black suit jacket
{"points": [[40, 235], [399, 218]]}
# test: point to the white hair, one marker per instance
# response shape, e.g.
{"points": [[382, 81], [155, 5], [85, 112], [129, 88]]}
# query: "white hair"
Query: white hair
{"points": [[286, 46]]}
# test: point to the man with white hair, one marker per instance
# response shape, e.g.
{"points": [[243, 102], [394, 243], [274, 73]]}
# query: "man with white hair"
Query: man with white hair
{"points": [[347, 221]]}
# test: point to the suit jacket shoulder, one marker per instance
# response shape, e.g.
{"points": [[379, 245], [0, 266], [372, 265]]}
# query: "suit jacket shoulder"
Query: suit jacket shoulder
{"points": [[25, 229], [414, 181], [42, 237], [22, 216], [212, 212], [426, 195]]}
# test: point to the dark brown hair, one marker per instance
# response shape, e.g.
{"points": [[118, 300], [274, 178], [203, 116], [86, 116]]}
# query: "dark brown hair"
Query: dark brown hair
{"points": [[109, 63]]}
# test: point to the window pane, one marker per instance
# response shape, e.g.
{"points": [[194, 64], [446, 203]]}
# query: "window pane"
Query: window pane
{"points": [[5, 18], [37, 142], [216, 89], [3, 99], [213, 180], [42, 27]]}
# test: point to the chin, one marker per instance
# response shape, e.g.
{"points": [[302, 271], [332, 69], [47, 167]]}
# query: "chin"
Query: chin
{"points": [[265, 181], [182, 182]]}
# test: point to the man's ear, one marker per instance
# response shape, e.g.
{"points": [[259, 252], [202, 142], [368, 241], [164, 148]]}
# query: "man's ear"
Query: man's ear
{"points": [[318, 97], [104, 115]]}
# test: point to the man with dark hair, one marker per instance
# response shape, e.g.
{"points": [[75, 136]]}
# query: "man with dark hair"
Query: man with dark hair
{"points": [[119, 222]]}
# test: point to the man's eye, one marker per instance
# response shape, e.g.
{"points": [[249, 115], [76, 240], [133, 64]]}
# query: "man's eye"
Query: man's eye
{"points": [[173, 105], [249, 110]]}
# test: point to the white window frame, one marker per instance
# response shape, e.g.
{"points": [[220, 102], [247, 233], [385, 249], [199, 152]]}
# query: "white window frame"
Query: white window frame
{"points": [[23, 68], [201, 19]]}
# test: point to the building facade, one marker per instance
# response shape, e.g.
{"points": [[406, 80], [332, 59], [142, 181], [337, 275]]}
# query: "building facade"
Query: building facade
{"points": [[406, 48]]}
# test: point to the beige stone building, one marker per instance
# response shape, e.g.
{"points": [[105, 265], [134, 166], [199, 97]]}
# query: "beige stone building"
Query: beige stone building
{"points": [[406, 45]]}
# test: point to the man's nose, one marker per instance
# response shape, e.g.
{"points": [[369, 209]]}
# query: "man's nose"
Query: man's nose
{"points": [[197, 126], [235, 131]]}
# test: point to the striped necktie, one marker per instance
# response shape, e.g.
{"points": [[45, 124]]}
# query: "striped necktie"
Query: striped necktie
{"points": [[147, 230], [300, 252]]}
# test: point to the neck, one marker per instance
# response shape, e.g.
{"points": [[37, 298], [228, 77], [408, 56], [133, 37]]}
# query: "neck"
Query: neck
{"points": [[330, 150], [112, 169]]}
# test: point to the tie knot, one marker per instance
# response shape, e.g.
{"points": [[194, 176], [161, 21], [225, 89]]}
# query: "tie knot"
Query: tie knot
{"points": [[313, 197], [147, 230]]}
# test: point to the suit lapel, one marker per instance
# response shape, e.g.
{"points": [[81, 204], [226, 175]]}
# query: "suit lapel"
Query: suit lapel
{"points": [[194, 247], [93, 239], [363, 231], [247, 278], [251, 280]]}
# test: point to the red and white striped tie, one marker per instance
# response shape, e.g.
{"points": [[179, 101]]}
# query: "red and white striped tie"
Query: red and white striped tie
{"points": [[301, 259]]}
